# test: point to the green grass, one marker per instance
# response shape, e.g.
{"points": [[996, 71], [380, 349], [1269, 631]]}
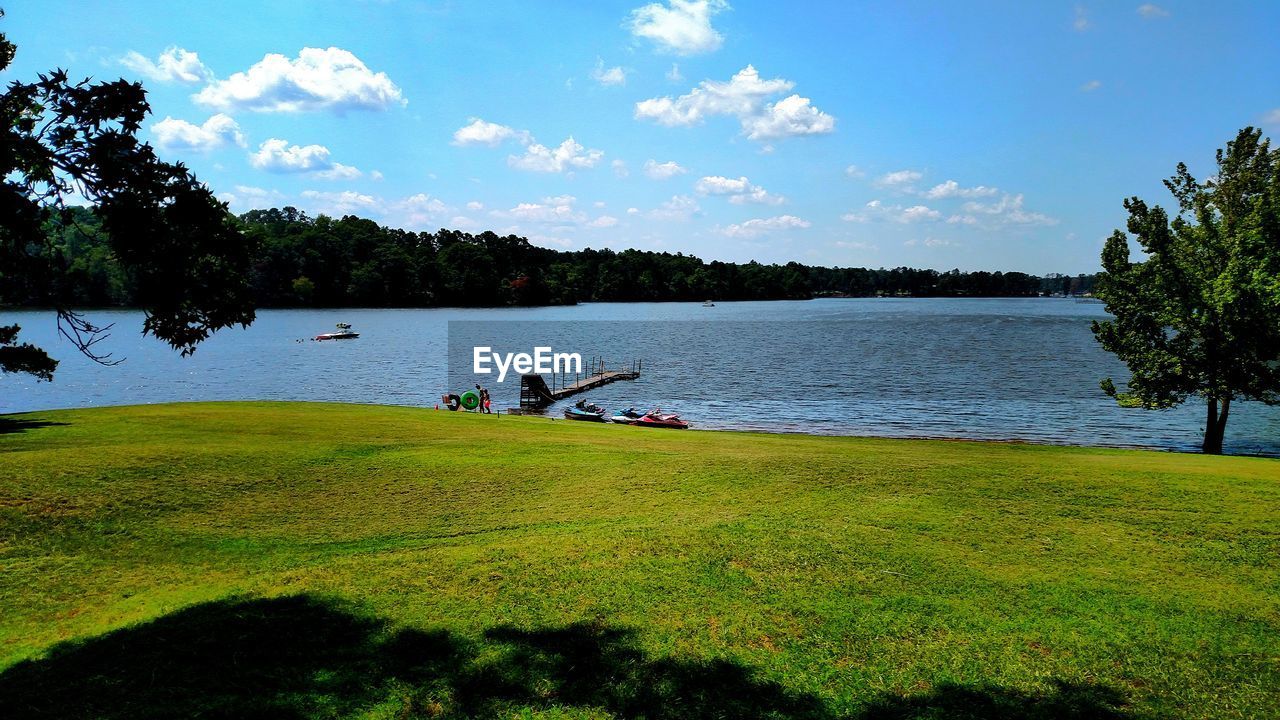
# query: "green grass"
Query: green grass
{"points": [[322, 560]]}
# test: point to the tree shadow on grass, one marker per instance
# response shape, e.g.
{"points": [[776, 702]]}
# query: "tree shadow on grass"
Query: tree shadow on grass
{"points": [[13, 424], [300, 656]]}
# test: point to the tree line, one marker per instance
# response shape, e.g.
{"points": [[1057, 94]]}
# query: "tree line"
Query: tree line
{"points": [[303, 261]]}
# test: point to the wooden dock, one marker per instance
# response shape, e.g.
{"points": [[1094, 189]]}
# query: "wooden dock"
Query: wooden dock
{"points": [[536, 393]]}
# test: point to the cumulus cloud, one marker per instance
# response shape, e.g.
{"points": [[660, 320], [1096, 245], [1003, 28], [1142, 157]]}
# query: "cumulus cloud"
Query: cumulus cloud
{"points": [[475, 205], [620, 168], [760, 226], [663, 171], [347, 202], [174, 65], [899, 178], [674, 73], [739, 190], [854, 171], [746, 97], [568, 156], [560, 211], [278, 156], [679, 208], [246, 197], [1007, 211], [318, 79], [608, 76], [479, 132], [681, 26], [1151, 11], [876, 210], [216, 132], [788, 117], [951, 188]]}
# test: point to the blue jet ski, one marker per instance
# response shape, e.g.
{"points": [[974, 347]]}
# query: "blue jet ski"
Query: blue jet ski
{"points": [[583, 410]]}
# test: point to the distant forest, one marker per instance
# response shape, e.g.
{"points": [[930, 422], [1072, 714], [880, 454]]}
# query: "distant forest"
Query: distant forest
{"points": [[353, 262]]}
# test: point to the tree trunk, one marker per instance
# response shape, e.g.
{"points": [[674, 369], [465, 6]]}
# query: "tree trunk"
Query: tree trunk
{"points": [[1215, 426]]}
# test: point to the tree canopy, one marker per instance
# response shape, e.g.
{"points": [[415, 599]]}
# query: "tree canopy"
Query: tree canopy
{"points": [[175, 245], [1200, 315]]}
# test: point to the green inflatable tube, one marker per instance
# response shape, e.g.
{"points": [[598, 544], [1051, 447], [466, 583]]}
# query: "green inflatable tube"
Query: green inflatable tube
{"points": [[470, 400]]}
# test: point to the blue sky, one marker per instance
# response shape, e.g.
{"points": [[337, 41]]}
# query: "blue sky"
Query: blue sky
{"points": [[975, 135]]}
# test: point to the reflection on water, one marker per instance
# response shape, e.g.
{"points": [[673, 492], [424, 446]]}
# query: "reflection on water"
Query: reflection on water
{"points": [[972, 368]]}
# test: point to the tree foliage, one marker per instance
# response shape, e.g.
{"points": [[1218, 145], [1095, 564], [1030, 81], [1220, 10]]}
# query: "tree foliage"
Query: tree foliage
{"points": [[1200, 316], [155, 232], [302, 261]]}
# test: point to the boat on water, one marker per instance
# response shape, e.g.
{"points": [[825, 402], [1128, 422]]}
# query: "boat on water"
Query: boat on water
{"points": [[343, 332], [708, 303], [583, 410]]}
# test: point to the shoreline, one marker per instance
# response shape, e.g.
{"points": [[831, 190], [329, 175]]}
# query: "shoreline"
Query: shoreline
{"points": [[1011, 441]]}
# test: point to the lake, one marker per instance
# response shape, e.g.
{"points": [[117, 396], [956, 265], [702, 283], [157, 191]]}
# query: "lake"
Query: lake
{"points": [[1018, 369]]}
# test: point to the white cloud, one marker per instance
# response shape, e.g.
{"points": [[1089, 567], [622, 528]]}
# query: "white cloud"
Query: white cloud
{"points": [[347, 202], [475, 205], [1008, 211], [567, 157], [678, 208], [854, 171], [1081, 23], [761, 226], [951, 188], [551, 210], [246, 197], [930, 242], [663, 171], [420, 211], [899, 178], [674, 73], [1091, 86], [479, 132], [855, 245], [962, 220], [745, 96], [1272, 118], [375, 175], [788, 117], [318, 79], [876, 210], [739, 190], [609, 76], [276, 155], [218, 131], [915, 213], [559, 211], [338, 171], [173, 65], [620, 168], [1151, 11], [682, 27]]}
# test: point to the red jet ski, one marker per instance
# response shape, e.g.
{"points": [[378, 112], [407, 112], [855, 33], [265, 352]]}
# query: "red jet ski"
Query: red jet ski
{"points": [[662, 420]]}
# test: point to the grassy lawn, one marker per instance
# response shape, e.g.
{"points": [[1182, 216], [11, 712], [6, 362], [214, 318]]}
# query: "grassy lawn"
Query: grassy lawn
{"points": [[319, 560]]}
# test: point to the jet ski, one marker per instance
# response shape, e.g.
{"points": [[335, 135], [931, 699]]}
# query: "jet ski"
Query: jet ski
{"points": [[630, 416], [583, 410], [659, 419]]}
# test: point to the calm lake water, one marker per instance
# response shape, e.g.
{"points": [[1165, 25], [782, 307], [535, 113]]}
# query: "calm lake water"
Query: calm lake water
{"points": [[964, 368]]}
